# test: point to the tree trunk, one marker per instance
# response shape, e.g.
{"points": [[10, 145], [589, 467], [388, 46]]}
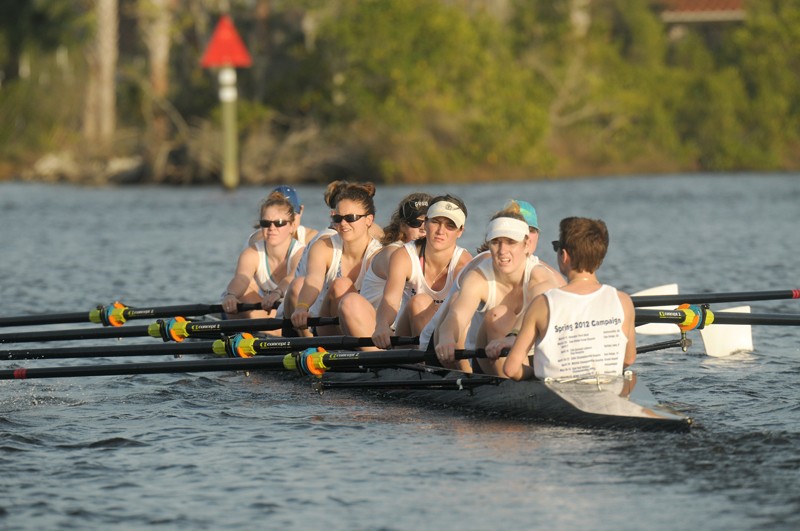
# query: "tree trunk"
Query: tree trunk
{"points": [[100, 109], [156, 19]]}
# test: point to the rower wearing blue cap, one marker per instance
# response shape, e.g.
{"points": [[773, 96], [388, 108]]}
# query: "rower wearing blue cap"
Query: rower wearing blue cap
{"points": [[301, 233]]}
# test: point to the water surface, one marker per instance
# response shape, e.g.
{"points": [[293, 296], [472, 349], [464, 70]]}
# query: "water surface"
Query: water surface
{"points": [[214, 450]]}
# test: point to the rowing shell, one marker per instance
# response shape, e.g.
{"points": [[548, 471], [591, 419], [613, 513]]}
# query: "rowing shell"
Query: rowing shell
{"points": [[608, 402]]}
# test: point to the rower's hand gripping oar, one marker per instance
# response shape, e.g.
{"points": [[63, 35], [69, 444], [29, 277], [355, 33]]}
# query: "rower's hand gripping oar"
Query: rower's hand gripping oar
{"points": [[117, 314]]}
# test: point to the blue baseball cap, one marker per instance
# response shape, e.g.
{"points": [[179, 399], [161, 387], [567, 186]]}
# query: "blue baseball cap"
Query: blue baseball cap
{"points": [[529, 213], [291, 194]]}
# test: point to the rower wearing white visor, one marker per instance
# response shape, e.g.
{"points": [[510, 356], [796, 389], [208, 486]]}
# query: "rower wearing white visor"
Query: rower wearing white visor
{"points": [[425, 271], [494, 289]]}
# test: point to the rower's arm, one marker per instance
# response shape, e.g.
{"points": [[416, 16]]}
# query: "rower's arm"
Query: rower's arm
{"points": [[628, 328], [319, 258], [291, 268], [246, 268], [515, 366], [399, 272], [454, 324], [452, 332]]}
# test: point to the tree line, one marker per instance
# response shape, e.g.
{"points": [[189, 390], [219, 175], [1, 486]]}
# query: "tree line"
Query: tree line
{"points": [[396, 90]]}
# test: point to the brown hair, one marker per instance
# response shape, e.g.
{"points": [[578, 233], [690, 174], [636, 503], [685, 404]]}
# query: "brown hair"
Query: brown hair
{"points": [[586, 240], [275, 199], [410, 205], [361, 193], [335, 188]]}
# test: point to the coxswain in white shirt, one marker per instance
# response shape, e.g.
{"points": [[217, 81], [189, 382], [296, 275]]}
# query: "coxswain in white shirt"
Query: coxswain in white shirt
{"points": [[583, 329]]}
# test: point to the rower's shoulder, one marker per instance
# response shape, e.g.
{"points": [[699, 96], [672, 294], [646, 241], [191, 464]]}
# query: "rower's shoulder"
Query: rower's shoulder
{"points": [[464, 259], [309, 236], [544, 272]]}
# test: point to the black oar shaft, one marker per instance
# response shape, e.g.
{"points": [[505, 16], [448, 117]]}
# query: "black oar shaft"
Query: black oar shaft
{"points": [[678, 316], [74, 334], [714, 298], [391, 357], [33, 320], [118, 369], [267, 345], [261, 346], [128, 314], [159, 349], [204, 329], [276, 362]]}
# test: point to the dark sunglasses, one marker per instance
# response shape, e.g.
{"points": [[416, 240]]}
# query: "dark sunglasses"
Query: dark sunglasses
{"points": [[350, 218], [267, 223], [557, 245], [414, 223]]}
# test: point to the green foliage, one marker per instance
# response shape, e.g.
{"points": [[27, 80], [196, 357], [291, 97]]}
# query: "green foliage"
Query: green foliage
{"points": [[41, 113], [435, 87], [420, 90]]}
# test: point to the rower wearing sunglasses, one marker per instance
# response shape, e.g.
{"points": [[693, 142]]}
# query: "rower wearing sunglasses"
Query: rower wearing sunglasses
{"points": [[266, 268], [357, 311], [424, 273], [301, 233], [336, 265]]}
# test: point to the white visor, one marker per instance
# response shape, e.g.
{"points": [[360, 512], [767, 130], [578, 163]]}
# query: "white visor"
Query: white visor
{"points": [[446, 209], [515, 229]]}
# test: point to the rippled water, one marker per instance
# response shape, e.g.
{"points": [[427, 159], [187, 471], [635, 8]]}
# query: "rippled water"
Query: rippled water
{"points": [[214, 450]]}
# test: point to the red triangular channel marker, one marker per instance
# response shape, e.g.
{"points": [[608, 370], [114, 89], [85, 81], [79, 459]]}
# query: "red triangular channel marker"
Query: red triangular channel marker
{"points": [[226, 47]]}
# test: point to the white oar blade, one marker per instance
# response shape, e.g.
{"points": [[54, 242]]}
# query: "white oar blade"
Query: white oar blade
{"points": [[658, 329], [724, 340]]}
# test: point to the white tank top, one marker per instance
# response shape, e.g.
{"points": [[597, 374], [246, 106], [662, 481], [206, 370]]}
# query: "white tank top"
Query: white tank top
{"points": [[372, 287], [486, 268], [263, 276], [416, 283], [482, 262], [301, 234], [302, 266], [584, 335], [335, 270]]}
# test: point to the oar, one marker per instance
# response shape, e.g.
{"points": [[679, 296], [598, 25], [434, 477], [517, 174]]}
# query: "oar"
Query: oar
{"points": [[305, 362], [715, 298], [237, 347], [117, 314], [681, 316], [176, 329], [310, 361], [657, 329]]}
